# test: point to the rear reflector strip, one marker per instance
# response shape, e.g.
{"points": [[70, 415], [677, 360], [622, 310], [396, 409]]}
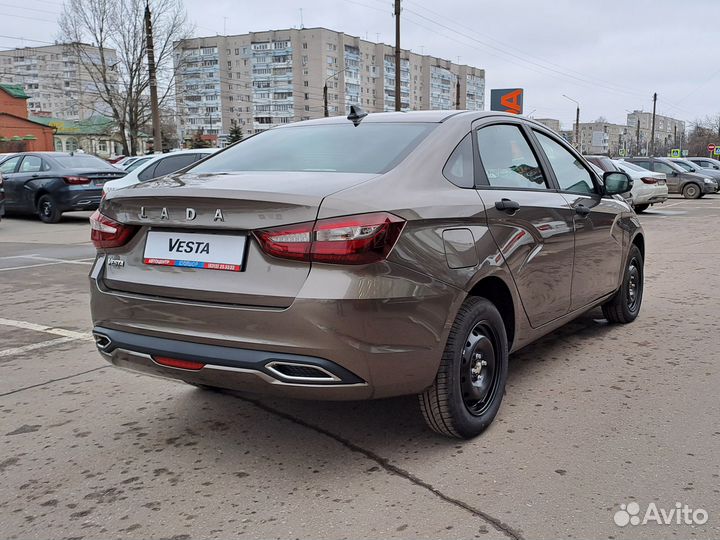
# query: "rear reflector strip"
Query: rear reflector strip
{"points": [[193, 264], [177, 363]]}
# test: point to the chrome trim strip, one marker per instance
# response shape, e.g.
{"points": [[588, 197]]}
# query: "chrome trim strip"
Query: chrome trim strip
{"points": [[271, 367]]}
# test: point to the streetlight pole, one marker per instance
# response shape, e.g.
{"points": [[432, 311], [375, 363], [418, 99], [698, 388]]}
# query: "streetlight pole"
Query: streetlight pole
{"points": [[325, 91], [577, 122]]}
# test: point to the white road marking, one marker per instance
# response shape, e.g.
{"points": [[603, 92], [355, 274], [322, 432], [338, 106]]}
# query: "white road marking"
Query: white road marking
{"points": [[20, 256], [51, 263], [69, 334], [69, 261], [34, 346]]}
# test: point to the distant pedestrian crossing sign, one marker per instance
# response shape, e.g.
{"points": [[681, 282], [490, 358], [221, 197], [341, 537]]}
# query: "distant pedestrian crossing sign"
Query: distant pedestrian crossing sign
{"points": [[675, 152]]}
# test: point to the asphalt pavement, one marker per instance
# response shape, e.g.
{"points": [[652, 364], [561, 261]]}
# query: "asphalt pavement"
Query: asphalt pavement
{"points": [[595, 416]]}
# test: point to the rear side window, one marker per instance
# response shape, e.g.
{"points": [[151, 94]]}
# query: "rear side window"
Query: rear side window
{"points": [[368, 148], [459, 167], [83, 161], [571, 175], [172, 164], [31, 164], [643, 164], [507, 158]]}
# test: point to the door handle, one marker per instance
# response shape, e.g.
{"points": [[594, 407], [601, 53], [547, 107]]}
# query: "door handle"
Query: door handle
{"points": [[582, 210], [507, 205]]}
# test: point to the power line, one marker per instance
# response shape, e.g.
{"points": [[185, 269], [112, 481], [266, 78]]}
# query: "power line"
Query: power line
{"points": [[28, 18]]}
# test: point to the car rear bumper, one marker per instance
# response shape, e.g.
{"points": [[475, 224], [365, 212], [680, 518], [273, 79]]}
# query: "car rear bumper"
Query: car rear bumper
{"points": [[80, 199], [380, 334]]}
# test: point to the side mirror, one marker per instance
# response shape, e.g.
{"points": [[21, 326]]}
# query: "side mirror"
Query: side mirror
{"points": [[617, 182], [692, 170], [716, 167], [674, 173]]}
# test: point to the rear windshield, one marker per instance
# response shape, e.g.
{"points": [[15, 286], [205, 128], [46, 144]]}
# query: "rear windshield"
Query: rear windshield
{"points": [[632, 166], [368, 148], [83, 161]]}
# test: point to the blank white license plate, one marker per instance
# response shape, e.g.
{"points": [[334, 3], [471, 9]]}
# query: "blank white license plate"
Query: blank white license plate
{"points": [[195, 250]]}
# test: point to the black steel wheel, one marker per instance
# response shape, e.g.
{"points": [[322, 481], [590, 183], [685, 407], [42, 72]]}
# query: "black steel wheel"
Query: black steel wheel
{"points": [[468, 388], [624, 306], [47, 209]]}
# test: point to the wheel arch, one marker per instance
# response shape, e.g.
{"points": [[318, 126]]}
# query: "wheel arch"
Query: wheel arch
{"points": [[494, 289], [639, 241]]}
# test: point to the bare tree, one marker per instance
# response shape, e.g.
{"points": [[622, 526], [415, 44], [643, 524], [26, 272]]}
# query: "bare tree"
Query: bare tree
{"points": [[118, 66]]}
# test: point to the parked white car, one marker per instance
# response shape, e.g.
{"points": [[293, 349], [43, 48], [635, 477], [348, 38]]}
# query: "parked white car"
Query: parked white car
{"points": [[159, 165], [648, 187]]}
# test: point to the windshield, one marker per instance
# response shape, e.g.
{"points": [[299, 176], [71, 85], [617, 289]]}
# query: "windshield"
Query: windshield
{"points": [[368, 148], [687, 166], [83, 161]]}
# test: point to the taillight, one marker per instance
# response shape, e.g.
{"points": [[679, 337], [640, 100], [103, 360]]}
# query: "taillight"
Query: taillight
{"points": [[648, 180], [177, 363], [108, 233], [76, 180], [361, 239]]}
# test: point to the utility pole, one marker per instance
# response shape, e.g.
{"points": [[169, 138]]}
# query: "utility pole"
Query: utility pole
{"points": [[577, 122], [325, 103], [398, 106], [652, 129], [157, 133], [457, 94], [637, 147]]}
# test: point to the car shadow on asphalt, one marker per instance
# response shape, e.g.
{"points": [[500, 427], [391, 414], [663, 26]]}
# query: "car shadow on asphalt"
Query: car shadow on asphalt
{"points": [[388, 424]]}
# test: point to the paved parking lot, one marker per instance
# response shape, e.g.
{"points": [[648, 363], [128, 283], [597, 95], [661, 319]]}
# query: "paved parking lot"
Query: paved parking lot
{"points": [[595, 416]]}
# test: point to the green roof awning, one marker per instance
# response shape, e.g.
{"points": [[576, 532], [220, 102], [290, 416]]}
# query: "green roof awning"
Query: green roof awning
{"points": [[29, 138], [15, 90], [16, 138]]}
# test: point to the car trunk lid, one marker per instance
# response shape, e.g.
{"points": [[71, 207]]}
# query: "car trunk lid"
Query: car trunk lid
{"points": [[195, 243]]}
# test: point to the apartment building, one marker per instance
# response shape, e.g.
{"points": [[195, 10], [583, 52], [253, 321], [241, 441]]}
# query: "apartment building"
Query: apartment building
{"points": [[54, 80], [551, 123], [669, 132], [262, 79], [602, 137]]}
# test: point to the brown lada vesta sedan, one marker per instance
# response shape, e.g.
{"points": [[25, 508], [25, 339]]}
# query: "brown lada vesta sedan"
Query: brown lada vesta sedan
{"points": [[365, 257]]}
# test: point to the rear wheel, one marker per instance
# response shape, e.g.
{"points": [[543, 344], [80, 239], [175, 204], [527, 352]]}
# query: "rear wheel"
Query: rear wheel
{"points": [[640, 208], [48, 211], [624, 307], [469, 385], [691, 191]]}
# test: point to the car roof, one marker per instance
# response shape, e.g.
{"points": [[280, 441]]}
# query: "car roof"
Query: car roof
{"points": [[435, 116]]}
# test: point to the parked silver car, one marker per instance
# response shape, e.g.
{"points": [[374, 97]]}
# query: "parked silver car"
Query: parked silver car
{"points": [[398, 253]]}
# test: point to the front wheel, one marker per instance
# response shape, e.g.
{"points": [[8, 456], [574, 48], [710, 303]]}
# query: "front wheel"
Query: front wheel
{"points": [[691, 191], [624, 307], [470, 382], [48, 211]]}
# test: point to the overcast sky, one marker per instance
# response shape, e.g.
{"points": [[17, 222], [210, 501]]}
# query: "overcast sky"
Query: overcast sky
{"points": [[609, 55]]}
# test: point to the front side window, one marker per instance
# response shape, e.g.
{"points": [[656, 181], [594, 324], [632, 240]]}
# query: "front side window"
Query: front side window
{"points": [[507, 158], [9, 166], [569, 171], [664, 168]]}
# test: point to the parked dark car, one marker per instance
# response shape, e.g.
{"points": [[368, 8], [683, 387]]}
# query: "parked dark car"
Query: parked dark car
{"points": [[50, 183], [691, 185], [706, 163], [689, 166], [402, 253], [605, 164]]}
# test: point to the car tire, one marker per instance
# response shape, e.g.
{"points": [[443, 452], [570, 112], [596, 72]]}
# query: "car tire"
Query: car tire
{"points": [[47, 209], [640, 208], [692, 191], [469, 386], [624, 306], [206, 387]]}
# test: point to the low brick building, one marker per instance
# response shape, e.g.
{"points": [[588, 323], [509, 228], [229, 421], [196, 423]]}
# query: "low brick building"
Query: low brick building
{"points": [[17, 132]]}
